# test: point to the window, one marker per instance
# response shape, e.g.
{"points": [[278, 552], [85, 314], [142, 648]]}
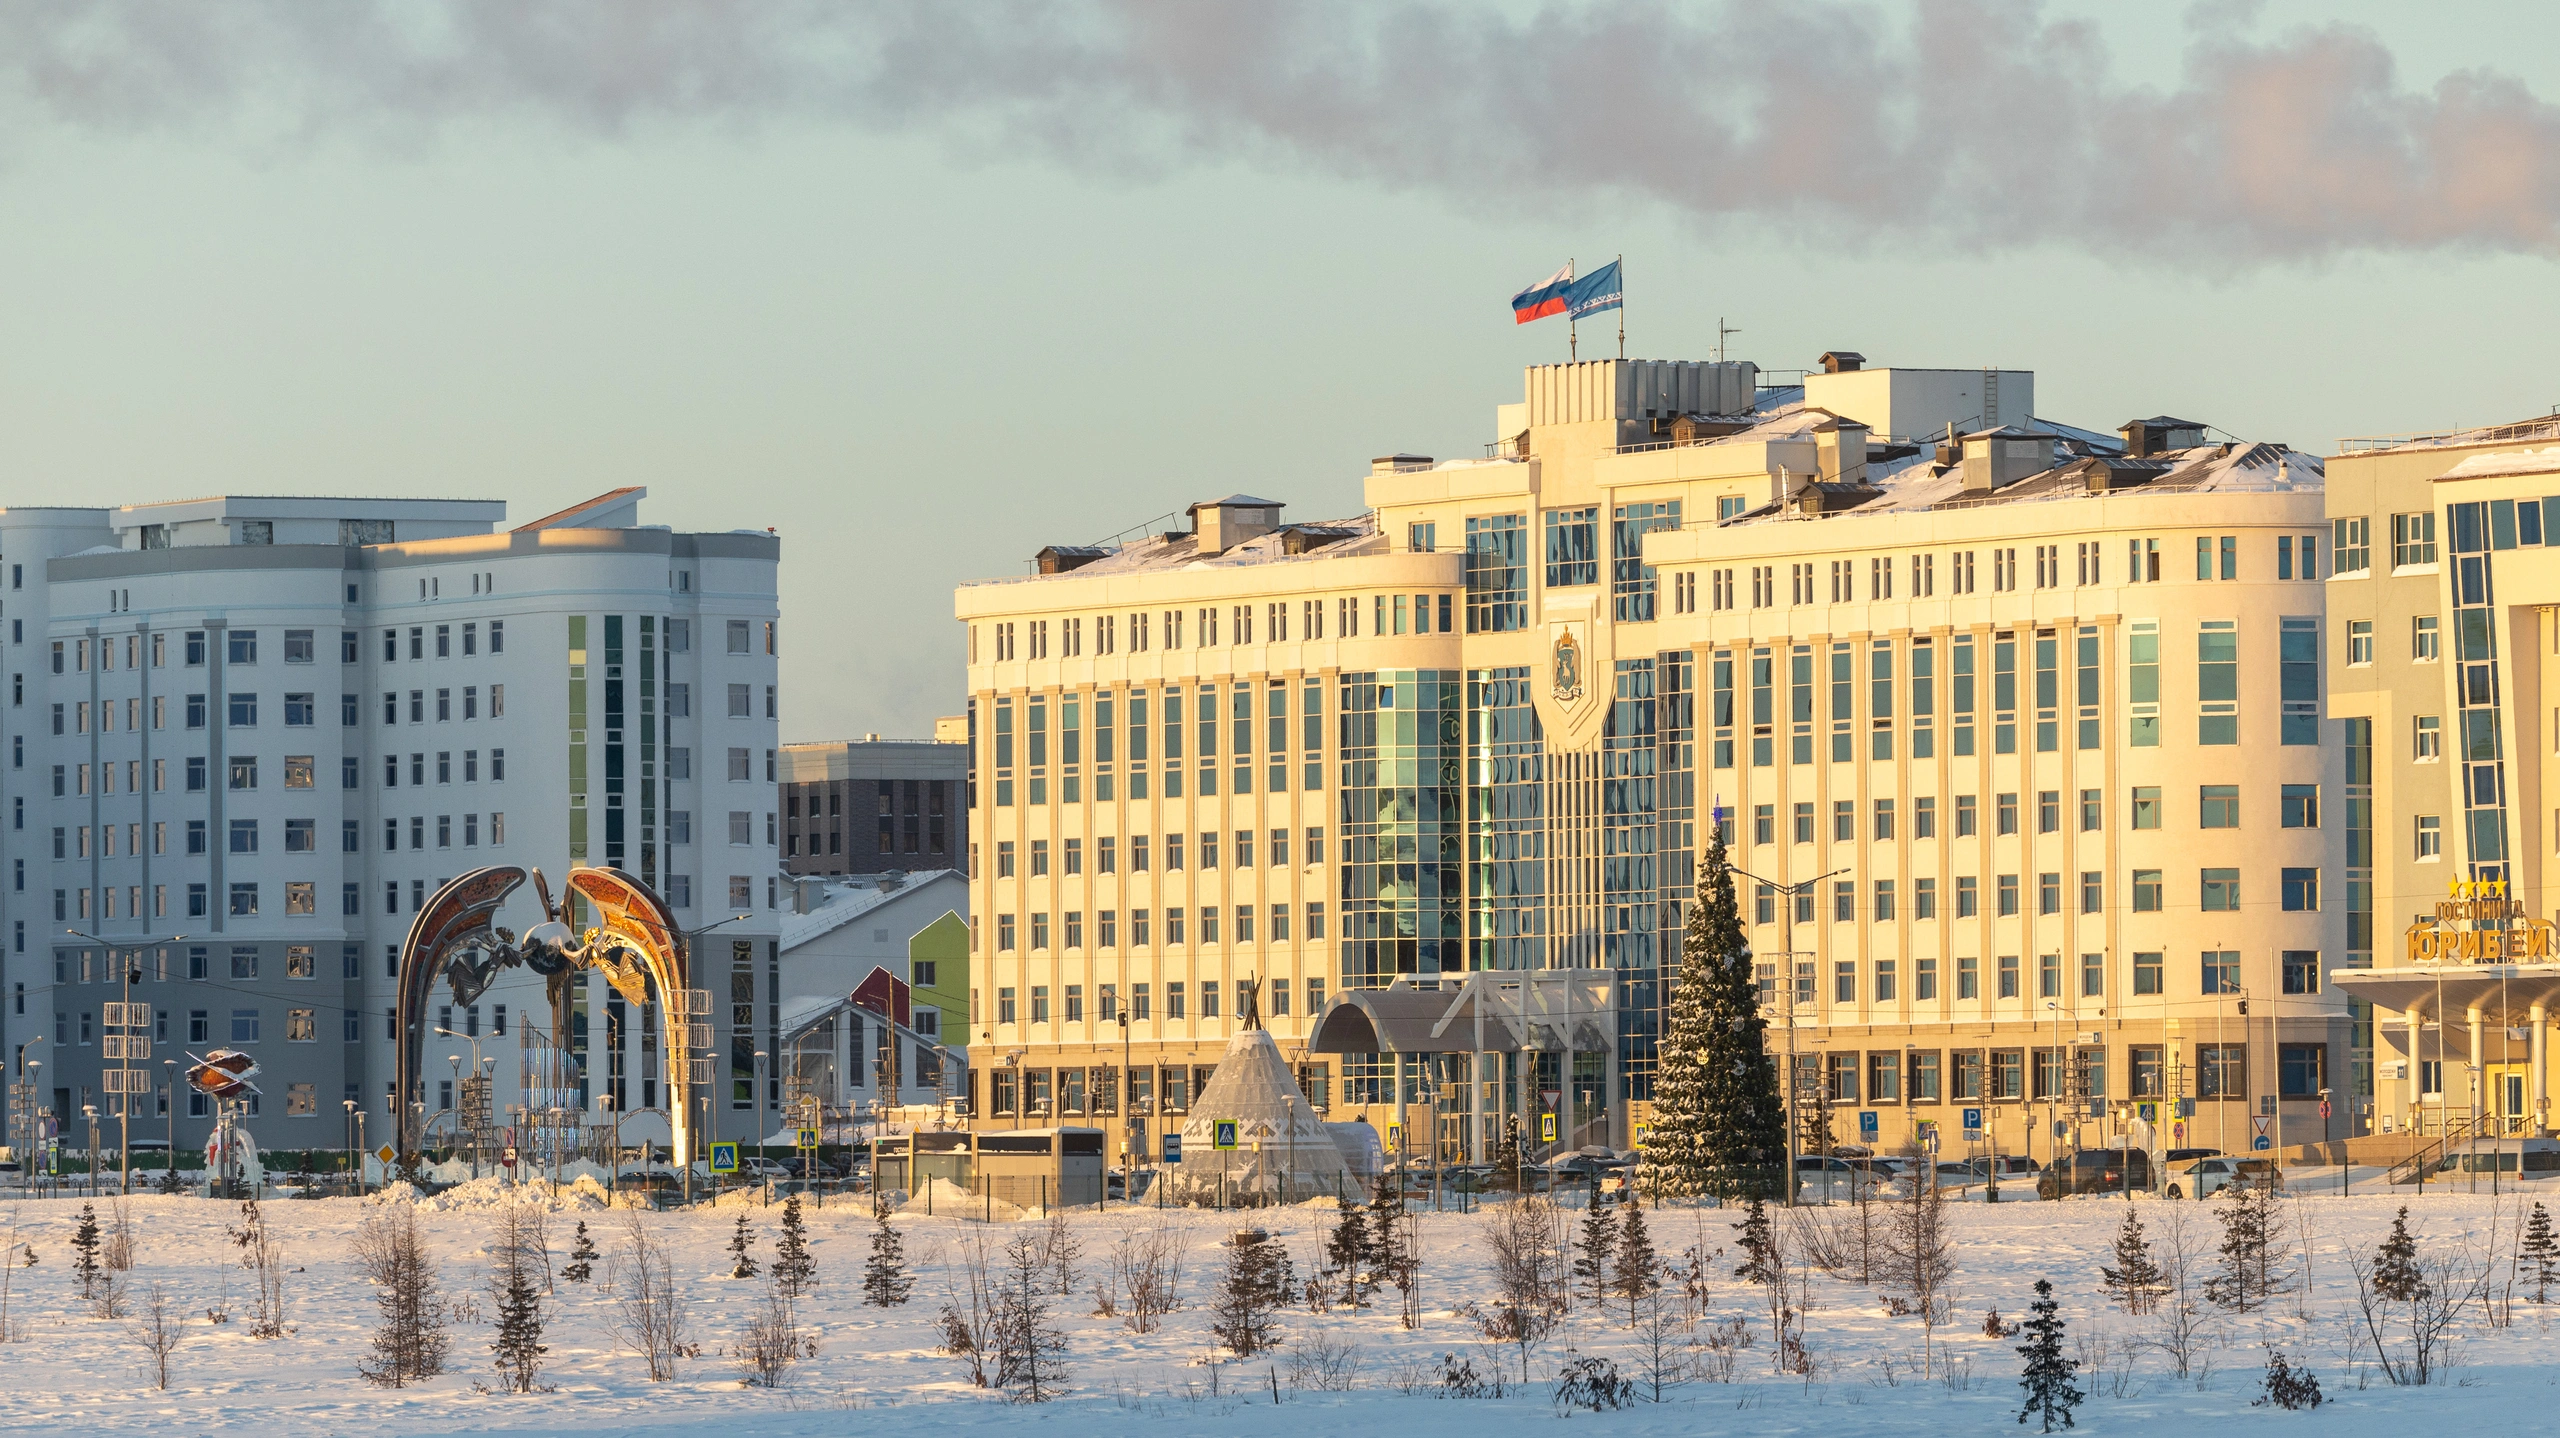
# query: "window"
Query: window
{"points": [[2093, 891], [2092, 811], [2221, 1071], [2422, 639], [2048, 893], [2351, 545], [2427, 738], [2301, 971], [2048, 976], [2359, 642], [1967, 817], [2302, 1070], [2218, 682], [2301, 891], [2218, 806], [2008, 976], [1968, 897], [244, 1026], [2221, 971], [241, 646], [2007, 812], [2413, 539], [2149, 895], [2221, 891], [2430, 841], [1572, 547], [2008, 896], [2146, 974], [2049, 811], [1968, 978], [2146, 807]]}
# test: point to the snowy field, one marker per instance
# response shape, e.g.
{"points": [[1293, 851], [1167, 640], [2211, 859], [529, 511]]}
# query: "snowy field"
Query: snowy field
{"points": [[71, 1371]]}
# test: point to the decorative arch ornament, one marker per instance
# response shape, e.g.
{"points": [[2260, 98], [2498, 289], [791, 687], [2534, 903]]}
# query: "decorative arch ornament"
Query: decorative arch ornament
{"points": [[633, 943]]}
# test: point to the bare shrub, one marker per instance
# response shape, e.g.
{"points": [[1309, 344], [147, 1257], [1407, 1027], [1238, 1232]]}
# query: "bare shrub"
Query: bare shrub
{"points": [[1918, 1256], [1525, 1239], [2409, 1302], [970, 1309], [774, 1339], [1030, 1349], [2184, 1325], [117, 1251], [263, 1256], [648, 1311], [113, 1295], [1324, 1363], [410, 1342], [1146, 1268], [161, 1324]]}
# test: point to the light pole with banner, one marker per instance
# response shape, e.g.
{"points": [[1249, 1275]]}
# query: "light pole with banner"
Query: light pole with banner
{"points": [[127, 1038]]}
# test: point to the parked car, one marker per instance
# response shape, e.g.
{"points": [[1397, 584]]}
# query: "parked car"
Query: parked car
{"points": [[2206, 1177], [2096, 1170], [2177, 1156], [1826, 1177], [758, 1166]]}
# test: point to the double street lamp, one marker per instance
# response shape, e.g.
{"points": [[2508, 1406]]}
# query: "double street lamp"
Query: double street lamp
{"points": [[1790, 893]]}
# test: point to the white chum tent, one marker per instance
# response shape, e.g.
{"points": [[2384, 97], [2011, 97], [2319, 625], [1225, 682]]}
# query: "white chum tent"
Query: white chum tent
{"points": [[1278, 1137]]}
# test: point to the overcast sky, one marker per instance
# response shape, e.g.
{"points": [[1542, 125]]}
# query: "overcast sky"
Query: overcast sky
{"points": [[926, 287]]}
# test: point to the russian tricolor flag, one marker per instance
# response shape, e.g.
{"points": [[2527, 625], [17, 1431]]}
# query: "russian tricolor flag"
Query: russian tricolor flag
{"points": [[1546, 297]]}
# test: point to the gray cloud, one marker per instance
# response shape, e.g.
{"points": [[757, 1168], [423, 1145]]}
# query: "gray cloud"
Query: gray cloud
{"points": [[1960, 124]]}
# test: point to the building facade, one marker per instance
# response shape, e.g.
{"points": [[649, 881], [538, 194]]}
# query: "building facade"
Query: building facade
{"points": [[248, 737], [873, 806], [2017, 729], [2444, 602]]}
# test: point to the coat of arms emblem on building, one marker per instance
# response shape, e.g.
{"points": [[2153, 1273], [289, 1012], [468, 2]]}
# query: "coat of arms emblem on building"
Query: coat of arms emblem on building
{"points": [[1568, 668]]}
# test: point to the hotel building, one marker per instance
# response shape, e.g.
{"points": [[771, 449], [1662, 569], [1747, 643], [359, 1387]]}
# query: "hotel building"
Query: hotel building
{"points": [[2446, 606]]}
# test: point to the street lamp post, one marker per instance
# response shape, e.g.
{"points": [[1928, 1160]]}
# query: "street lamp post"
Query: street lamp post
{"points": [[758, 1072], [700, 1092], [1789, 892], [171, 1172], [129, 973], [23, 1090]]}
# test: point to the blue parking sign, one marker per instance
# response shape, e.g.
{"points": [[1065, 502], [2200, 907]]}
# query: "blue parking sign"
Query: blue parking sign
{"points": [[1973, 1123], [1867, 1126]]}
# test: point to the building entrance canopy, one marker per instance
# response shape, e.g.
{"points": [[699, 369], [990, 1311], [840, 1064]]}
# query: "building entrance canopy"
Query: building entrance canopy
{"points": [[1531, 1010], [2505, 994]]}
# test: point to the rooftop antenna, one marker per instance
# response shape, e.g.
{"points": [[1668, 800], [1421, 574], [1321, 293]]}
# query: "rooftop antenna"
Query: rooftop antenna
{"points": [[1722, 330]]}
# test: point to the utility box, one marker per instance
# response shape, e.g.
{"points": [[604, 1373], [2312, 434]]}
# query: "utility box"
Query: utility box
{"points": [[906, 1162], [1031, 1167]]}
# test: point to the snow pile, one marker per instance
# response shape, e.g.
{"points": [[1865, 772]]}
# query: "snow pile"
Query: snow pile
{"points": [[585, 1195]]}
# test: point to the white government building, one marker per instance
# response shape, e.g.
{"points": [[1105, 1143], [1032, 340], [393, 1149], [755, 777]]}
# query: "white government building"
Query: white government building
{"points": [[247, 736], [2033, 714]]}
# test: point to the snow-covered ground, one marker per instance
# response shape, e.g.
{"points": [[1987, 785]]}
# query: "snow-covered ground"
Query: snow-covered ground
{"points": [[75, 1372]]}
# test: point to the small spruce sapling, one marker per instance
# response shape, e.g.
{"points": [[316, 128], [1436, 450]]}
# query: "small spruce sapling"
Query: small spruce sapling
{"points": [[885, 1281], [2288, 1387], [1347, 1255], [582, 1257], [2539, 1254], [84, 1251], [1636, 1270], [2135, 1281], [1759, 1247], [1598, 1248], [2048, 1374], [795, 1270], [743, 1264], [2395, 1264]]}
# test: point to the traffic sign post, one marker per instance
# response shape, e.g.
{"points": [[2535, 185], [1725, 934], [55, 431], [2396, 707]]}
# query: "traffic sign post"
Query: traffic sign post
{"points": [[724, 1158], [1869, 1127], [1973, 1125], [1222, 1135]]}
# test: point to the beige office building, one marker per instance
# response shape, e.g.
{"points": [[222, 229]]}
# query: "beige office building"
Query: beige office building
{"points": [[2033, 716], [2444, 603]]}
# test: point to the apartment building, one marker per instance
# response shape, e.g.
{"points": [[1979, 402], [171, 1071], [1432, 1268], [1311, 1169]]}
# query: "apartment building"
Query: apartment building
{"points": [[2016, 728], [248, 736], [2446, 605], [872, 806]]}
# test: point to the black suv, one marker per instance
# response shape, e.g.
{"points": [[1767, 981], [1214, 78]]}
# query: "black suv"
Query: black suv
{"points": [[2095, 1170]]}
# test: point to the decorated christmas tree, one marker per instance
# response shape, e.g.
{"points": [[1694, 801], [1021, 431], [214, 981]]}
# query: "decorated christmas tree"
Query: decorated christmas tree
{"points": [[1719, 1126]]}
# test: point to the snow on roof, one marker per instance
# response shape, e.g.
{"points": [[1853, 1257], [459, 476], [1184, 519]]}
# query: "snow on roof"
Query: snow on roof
{"points": [[2527, 461], [1327, 539], [846, 902]]}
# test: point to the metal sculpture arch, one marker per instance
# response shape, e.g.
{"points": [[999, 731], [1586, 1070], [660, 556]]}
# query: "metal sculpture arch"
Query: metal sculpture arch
{"points": [[634, 944]]}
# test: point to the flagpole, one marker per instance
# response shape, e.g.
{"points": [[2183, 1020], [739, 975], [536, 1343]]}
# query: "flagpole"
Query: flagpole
{"points": [[1572, 337], [1622, 306]]}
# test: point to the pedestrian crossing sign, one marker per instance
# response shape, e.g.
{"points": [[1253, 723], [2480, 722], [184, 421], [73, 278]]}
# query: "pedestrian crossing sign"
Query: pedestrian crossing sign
{"points": [[808, 1138], [724, 1158], [1223, 1134], [1546, 1128]]}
